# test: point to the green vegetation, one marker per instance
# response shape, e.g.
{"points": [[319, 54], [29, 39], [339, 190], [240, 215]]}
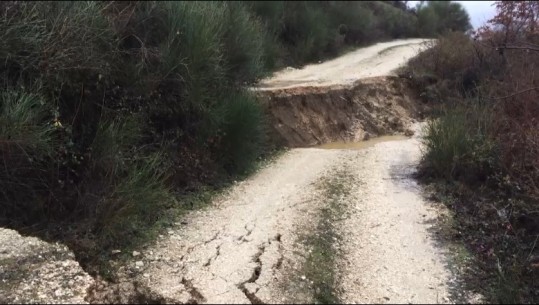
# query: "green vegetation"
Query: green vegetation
{"points": [[322, 252], [303, 31], [458, 146], [439, 17], [482, 150]]}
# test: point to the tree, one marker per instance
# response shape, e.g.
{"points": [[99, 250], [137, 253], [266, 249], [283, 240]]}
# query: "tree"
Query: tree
{"points": [[438, 17], [517, 20]]}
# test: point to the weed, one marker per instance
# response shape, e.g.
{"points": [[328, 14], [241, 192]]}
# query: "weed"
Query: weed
{"points": [[320, 266], [457, 145]]}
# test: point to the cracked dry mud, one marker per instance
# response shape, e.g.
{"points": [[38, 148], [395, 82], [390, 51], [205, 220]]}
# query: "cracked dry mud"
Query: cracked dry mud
{"points": [[234, 251]]}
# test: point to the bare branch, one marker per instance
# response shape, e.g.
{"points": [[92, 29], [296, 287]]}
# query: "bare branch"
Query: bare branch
{"points": [[518, 48], [517, 93]]}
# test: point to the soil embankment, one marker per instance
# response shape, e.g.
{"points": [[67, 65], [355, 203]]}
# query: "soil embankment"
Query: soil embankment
{"points": [[308, 116], [351, 98]]}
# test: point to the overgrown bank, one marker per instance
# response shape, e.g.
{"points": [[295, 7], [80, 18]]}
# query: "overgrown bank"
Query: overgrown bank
{"points": [[481, 150]]}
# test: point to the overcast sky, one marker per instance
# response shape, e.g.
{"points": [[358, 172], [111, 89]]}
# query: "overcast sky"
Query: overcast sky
{"points": [[479, 11]]}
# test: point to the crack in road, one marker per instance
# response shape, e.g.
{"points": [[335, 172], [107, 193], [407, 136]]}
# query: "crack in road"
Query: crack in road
{"points": [[254, 276], [196, 296]]}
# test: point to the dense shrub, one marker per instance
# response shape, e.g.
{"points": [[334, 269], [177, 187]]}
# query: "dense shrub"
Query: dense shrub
{"points": [[459, 70], [98, 97], [302, 31], [440, 17], [487, 143], [27, 145], [458, 145]]}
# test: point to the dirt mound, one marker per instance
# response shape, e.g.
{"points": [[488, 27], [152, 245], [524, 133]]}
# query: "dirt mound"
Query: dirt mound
{"points": [[312, 115]]}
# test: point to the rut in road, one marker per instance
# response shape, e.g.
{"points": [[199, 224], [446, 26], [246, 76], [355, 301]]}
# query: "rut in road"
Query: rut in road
{"points": [[249, 245]]}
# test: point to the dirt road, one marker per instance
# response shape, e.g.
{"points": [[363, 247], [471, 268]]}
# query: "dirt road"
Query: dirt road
{"points": [[249, 247], [317, 225], [380, 59]]}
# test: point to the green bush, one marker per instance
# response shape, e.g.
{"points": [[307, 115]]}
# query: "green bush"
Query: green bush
{"points": [[26, 146], [310, 31], [458, 145], [132, 203], [244, 43], [59, 42], [243, 132], [23, 124], [440, 17]]}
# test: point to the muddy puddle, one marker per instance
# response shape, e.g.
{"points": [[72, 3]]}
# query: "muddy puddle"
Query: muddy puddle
{"points": [[362, 144]]}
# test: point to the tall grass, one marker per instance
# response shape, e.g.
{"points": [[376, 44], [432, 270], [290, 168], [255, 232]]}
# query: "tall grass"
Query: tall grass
{"points": [[458, 144], [243, 132], [26, 147], [244, 44], [132, 203]]}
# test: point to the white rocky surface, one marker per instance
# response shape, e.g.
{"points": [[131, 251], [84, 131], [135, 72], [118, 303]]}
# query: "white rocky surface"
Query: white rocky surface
{"points": [[34, 271]]}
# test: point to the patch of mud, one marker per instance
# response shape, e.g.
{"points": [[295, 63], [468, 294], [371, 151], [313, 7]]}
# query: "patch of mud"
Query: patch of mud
{"points": [[308, 116]]}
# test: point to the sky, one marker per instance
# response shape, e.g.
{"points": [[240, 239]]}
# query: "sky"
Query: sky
{"points": [[479, 11]]}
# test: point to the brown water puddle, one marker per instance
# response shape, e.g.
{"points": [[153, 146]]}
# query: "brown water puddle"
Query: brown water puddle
{"points": [[362, 144]]}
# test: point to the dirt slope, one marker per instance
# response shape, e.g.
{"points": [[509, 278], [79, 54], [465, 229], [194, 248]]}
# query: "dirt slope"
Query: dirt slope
{"points": [[351, 98], [308, 116]]}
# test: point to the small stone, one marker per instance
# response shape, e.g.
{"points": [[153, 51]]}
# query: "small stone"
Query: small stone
{"points": [[116, 251], [136, 253], [366, 136], [139, 264], [146, 275], [303, 277], [170, 232]]}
